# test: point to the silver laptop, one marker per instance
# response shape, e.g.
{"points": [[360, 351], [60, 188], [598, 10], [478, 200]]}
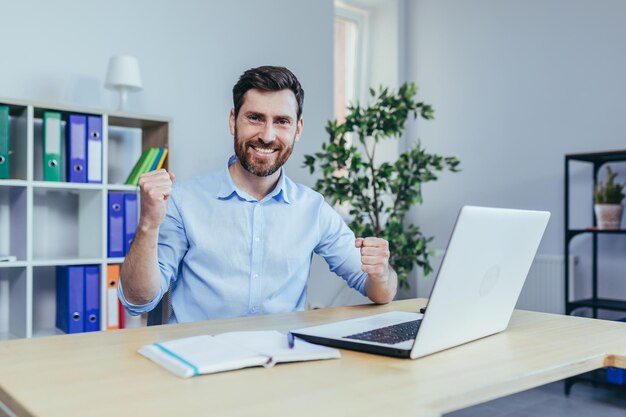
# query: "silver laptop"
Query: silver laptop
{"points": [[478, 284]]}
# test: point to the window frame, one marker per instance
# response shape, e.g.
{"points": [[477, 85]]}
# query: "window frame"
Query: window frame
{"points": [[361, 18]]}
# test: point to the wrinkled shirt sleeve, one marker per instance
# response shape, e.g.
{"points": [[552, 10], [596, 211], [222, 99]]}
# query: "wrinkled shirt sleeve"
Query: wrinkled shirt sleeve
{"points": [[172, 247], [336, 246]]}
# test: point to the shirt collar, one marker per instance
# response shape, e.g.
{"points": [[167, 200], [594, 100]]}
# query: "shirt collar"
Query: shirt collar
{"points": [[228, 189]]}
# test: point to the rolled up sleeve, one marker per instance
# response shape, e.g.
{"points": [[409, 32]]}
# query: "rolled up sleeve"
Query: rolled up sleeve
{"points": [[172, 247], [336, 246]]}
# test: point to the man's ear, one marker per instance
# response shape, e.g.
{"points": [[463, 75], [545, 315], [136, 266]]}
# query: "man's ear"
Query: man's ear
{"points": [[231, 121], [299, 127]]}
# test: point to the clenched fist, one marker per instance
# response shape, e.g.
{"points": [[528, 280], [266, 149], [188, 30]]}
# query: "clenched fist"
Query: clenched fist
{"points": [[374, 257], [155, 188]]}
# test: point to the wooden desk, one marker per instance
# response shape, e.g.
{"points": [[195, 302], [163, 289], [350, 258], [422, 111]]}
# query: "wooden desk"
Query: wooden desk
{"points": [[101, 374]]}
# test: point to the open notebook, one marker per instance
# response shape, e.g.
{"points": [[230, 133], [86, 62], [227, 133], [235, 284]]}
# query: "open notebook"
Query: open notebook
{"points": [[207, 354]]}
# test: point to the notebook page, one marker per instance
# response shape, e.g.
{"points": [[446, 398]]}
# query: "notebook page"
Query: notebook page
{"points": [[273, 343]]}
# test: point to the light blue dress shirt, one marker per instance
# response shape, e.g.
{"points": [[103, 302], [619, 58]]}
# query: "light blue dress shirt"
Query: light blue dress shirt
{"points": [[227, 254]]}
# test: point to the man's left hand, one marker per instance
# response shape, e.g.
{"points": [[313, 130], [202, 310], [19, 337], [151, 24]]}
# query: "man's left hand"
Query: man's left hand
{"points": [[374, 257]]}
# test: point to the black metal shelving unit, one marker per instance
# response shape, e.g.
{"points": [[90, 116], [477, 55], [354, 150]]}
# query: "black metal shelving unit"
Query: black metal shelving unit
{"points": [[596, 378], [595, 303]]}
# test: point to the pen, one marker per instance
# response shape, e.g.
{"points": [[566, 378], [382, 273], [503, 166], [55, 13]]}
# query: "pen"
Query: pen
{"points": [[290, 340]]}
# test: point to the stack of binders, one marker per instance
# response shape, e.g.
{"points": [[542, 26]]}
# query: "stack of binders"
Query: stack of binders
{"points": [[4, 142], [83, 159], [150, 159], [78, 298], [123, 217]]}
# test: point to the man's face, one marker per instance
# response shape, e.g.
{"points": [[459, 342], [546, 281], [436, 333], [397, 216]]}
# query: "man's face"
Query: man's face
{"points": [[265, 130]]}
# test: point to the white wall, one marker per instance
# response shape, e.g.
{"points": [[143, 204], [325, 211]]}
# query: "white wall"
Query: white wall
{"points": [[190, 52], [516, 85], [384, 35], [383, 59]]}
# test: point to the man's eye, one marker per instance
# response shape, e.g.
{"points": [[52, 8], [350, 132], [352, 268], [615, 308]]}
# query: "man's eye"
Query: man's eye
{"points": [[283, 122], [254, 118]]}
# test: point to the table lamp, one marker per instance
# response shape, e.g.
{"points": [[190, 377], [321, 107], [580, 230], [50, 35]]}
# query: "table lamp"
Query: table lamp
{"points": [[123, 76]]}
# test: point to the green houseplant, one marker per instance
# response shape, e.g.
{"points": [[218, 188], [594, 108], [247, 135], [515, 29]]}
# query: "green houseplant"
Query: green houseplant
{"points": [[380, 195], [608, 198]]}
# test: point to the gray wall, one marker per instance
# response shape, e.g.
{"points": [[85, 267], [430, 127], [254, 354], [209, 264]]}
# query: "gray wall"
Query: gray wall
{"points": [[190, 52], [516, 85]]}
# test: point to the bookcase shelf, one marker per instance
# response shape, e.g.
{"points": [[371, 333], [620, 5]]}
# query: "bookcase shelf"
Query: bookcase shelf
{"points": [[45, 224], [13, 183], [49, 185], [115, 260], [120, 187], [13, 205], [12, 264], [14, 312], [69, 261]]}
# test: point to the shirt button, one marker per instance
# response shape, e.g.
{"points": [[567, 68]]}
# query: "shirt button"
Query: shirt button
{"points": [[256, 239], [255, 276]]}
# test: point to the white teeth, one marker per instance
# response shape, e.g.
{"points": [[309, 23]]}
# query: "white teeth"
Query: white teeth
{"points": [[263, 150]]}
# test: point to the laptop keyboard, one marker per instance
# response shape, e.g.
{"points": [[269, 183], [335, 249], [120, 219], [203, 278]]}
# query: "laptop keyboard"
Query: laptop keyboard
{"points": [[391, 334]]}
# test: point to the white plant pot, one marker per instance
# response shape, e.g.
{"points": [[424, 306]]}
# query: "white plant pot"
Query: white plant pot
{"points": [[608, 216]]}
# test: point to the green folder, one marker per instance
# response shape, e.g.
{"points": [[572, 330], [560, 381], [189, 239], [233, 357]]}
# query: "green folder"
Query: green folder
{"points": [[143, 165], [4, 142], [52, 136], [157, 158], [150, 160]]}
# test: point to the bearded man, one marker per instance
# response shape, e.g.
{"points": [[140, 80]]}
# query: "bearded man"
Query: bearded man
{"points": [[239, 241]]}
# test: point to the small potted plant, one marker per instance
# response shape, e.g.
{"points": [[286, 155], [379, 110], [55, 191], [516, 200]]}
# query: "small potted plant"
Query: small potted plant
{"points": [[608, 202]]}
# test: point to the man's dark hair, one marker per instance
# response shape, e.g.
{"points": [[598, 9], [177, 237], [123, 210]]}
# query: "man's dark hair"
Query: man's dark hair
{"points": [[267, 78]]}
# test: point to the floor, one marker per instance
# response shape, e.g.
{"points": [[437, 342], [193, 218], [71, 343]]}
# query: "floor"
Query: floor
{"points": [[550, 401]]}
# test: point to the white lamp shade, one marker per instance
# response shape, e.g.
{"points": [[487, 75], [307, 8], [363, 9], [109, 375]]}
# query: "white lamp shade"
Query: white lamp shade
{"points": [[123, 73]]}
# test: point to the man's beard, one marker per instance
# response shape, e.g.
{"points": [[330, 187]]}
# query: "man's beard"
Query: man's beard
{"points": [[257, 166]]}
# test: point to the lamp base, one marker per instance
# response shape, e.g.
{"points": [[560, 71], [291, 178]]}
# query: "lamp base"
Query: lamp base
{"points": [[123, 99]]}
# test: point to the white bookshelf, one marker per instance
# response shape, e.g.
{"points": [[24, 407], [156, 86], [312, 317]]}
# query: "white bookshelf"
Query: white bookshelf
{"points": [[45, 224]]}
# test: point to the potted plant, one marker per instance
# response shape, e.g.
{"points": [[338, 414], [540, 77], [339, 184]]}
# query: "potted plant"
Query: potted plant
{"points": [[608, 198], [379, 195]]}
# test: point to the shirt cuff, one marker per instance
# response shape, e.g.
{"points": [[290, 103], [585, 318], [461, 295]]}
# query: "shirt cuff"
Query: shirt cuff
{"points": [[137, 309], [360, 285]]}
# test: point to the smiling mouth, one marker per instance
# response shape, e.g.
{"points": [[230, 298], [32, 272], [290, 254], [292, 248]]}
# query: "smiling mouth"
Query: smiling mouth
{"points": [[265, 151]]}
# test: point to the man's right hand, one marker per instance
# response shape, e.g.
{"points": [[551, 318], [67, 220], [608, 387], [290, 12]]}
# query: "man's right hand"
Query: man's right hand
{"points": [[155, 188]]}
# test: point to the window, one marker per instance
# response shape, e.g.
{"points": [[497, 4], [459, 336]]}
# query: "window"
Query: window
{"points": [[350, 25], [345, 65]]}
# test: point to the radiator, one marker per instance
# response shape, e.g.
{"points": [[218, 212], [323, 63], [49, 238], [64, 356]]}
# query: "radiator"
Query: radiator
{"points": [[544, 287], [543, 290]]}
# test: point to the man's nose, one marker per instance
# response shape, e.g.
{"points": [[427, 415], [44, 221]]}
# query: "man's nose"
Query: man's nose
{"points": [[268, 134]]}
